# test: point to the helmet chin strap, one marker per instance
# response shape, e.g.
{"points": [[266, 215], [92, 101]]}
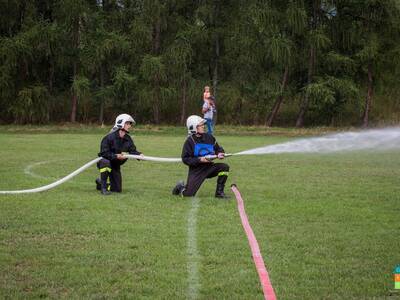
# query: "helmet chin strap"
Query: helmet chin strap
{"points": [[124, 130]]}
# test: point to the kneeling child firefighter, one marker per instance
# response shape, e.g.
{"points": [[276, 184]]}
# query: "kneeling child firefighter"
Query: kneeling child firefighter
{"points": [[195, 150], [112, 147]]}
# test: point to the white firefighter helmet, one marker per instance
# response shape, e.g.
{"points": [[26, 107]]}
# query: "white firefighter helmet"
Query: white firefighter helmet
{"points": [[121, 120], [192, 122]]}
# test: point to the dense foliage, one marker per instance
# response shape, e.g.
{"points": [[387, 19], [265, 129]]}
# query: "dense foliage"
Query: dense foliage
{"points": [[298, 62]]}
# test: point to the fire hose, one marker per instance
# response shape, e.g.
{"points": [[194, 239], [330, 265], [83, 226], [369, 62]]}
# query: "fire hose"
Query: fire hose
{"points": [[92, 162]]}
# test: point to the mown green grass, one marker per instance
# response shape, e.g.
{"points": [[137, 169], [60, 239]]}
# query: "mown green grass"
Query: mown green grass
{"points": [[327, 225]]}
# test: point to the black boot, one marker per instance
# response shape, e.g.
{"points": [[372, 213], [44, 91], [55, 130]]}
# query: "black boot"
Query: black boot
{"points": [[105, 192], [98, 184], [219, 192], [103, 183], [179, 188]]}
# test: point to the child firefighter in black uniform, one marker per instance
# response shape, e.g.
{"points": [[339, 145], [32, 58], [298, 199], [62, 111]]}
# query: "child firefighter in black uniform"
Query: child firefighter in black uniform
{"points": [[112, 148], [195, 150]]}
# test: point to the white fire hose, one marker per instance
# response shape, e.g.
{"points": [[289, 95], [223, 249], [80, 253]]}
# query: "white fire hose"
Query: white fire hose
{"points": [[87, 165]]}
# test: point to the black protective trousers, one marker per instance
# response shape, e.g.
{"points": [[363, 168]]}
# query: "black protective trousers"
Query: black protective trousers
{"points": [[197, 176], [110, 175]]}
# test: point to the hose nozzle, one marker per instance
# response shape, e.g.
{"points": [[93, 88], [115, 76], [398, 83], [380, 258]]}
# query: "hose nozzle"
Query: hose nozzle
{"points": [[213, 156]]}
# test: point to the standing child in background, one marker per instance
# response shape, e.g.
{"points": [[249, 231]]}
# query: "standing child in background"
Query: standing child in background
{"points": [[213, 104], [208, 109], [206, 93]]}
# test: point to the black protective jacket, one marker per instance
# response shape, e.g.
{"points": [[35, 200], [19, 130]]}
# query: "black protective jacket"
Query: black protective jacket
{"points": [[198, 146], [112, 144]]}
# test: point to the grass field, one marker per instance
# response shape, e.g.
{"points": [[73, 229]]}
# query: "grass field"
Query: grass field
{"points": [[328, 225]]}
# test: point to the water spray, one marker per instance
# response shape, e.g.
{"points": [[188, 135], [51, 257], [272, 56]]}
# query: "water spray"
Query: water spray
{"points": [[376, 139]]}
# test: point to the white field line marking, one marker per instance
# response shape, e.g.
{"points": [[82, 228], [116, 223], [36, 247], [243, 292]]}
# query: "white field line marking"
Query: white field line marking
{"points": [[28, 169], [192, 253]]}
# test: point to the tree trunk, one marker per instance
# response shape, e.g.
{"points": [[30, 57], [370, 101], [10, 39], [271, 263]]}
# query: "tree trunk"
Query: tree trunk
{"points": [[304, 104], [184, 100], [51, 75], [368, 100], [101, 113], [74, 102], [217, 48], [215, 73], [21, 16], [156, 107], [76, 41], [24, 71], [50, 85], [73, 110], [311, 65], [279, 99], [157, 36], [216, 62], [156, 51]]}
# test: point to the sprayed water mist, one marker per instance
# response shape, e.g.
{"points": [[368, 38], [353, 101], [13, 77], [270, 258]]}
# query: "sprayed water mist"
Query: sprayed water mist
{"points": [[376, 139]]}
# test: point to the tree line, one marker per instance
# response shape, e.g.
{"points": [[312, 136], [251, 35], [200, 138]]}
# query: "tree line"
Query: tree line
{"points": [[269, 62]]}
